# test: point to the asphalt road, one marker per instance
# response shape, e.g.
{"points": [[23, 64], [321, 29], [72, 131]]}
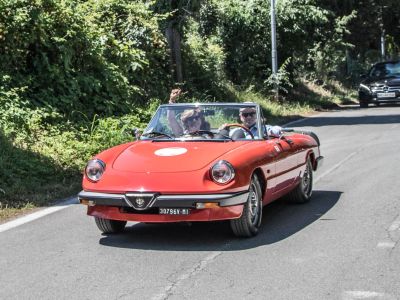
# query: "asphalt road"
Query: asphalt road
{"points": [[344, 244]]}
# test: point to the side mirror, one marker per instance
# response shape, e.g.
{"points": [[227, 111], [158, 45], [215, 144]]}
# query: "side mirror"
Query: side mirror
{"points": [[136, 133], [275, 131]]}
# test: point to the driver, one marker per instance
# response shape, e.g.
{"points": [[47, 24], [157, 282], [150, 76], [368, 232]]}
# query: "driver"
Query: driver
{"points": [[248, 118]]}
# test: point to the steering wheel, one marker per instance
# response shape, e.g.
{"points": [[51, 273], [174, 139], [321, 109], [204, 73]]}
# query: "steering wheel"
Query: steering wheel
{"points": [[227, 126]]}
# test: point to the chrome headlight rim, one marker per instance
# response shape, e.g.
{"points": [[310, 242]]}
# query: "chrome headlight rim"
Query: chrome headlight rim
{"points": [[228, 177], [93, 163]]}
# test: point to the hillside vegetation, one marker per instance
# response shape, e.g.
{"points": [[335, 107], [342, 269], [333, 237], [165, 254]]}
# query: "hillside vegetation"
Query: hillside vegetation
{"points": [[76, 76]]}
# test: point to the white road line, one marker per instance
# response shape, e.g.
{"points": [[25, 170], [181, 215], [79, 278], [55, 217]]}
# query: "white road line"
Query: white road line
{"points": [[335, 166], [395, 225], [385, 245], [36, 215], [351, 295], [390, 241]]}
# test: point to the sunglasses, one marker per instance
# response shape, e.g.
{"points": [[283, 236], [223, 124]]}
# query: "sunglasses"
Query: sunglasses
{"points": [[192, 119], [251, 114]]}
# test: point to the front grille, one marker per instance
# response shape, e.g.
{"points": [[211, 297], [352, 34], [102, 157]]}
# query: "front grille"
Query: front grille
{"points": [[383, 89], [140, 201]]}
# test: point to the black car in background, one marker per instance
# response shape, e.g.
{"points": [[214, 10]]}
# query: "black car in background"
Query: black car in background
{"points": [[381, 84]]}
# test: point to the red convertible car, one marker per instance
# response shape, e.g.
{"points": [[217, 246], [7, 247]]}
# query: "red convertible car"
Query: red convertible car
{"points": [[198, 162]]}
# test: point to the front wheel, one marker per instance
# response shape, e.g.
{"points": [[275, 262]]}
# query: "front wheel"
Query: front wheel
{"points": [[109, 226], [250, 221], [303, 191]]}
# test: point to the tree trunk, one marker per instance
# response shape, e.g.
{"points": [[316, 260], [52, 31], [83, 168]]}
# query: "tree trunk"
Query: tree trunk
{"points": [[174, 42]]}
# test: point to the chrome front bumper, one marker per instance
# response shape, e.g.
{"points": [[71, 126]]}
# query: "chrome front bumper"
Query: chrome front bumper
{"points": [[143, 201]]}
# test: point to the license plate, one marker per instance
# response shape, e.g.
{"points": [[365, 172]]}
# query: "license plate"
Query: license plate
{"points": [[174, 211], [386, 95]]}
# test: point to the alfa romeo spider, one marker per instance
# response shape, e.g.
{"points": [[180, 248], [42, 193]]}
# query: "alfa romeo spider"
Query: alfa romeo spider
{"points": [[219, 170]]}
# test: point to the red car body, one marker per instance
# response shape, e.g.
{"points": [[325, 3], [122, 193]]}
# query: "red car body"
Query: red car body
{"points": [[175, 174]]}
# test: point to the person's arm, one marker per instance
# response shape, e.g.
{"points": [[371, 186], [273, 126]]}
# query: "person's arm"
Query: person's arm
{"points": [[173, 123], [275, 131]]}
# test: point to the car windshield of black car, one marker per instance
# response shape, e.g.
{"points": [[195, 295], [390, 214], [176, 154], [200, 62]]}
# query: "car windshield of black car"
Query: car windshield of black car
{"points": [[385, 69]]}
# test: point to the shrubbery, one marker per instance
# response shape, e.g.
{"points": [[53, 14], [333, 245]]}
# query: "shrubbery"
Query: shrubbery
{"points": [[75, 78], [93, 56]]}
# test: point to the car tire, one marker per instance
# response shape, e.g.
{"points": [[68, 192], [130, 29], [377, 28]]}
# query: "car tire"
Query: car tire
{"points": [[250, 221], [110, 226], [363, 104], [303, 191]]}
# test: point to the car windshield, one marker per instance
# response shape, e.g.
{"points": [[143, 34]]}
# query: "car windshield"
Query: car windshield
{"points": [[204, 122], [385, 70]]}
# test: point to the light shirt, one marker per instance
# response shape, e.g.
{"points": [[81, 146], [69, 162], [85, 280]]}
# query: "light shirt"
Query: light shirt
{"points": [[271, 130]]}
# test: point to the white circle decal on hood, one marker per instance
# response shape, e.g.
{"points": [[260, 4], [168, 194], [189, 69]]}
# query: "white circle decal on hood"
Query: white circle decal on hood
{"points": [[170, 151]]}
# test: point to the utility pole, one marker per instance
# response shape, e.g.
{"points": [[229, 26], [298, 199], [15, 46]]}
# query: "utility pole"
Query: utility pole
{"points": [[381, 25], [273, 49], [383, 51]]}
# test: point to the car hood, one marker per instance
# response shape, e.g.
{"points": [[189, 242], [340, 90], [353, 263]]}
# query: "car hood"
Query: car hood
{"points": [[389, 81], [149, 157]]}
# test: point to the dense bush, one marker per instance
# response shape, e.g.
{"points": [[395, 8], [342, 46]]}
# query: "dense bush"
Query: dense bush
{"points": [[92, 56], [245, 31], [204, 61]]}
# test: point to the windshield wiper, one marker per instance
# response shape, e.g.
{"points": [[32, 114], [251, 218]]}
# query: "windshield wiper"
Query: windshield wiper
{"points": [[156, 134]]}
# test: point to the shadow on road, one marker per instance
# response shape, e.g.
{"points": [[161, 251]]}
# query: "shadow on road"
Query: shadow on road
{"points": [[280, 221], [352, 120]]}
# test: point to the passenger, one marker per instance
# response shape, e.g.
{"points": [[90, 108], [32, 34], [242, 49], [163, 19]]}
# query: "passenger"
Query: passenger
{"points": [[192, 119]]}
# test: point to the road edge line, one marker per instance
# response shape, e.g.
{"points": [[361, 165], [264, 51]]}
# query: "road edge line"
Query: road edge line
{"points": [[38, 214]]}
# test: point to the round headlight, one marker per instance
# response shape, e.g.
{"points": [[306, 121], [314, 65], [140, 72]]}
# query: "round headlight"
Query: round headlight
{"points": [[222, 172], [95, 169]]}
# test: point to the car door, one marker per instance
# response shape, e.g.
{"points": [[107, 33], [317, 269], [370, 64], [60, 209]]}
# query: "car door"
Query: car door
{"points": [[285, 164]]}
